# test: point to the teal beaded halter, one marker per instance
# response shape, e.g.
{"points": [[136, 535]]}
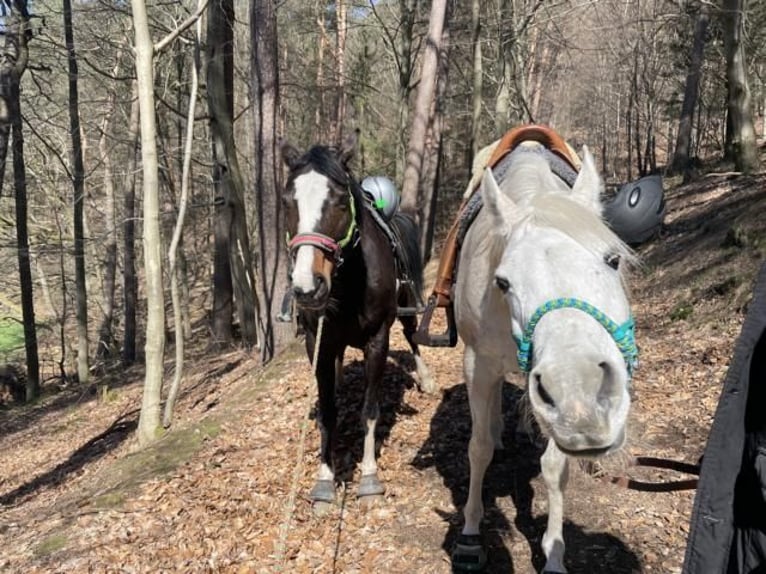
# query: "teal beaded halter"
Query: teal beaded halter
{"points": [[623, 335]]}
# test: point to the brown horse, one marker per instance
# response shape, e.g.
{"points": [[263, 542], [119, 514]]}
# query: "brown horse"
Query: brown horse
{"points": [[353, 271]]}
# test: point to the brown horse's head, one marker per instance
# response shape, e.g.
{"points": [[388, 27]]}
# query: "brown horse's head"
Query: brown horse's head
{"points": [[320, 214]]}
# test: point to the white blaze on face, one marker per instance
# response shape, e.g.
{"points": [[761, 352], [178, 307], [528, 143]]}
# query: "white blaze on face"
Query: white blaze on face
{"points": [[311, 191]]}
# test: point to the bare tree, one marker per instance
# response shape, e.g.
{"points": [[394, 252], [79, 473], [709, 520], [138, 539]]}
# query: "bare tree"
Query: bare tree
{"points": [[78, 182], [264, 69], [15, 56], [183, 203], [743, 147], [233, 259], [691, 91], [130, 280], [420, 119], [478, 78], [149, 419], [340, 67]]}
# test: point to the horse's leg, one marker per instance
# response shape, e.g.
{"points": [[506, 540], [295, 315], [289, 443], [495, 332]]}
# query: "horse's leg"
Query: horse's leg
{"points": [[425, 380], [324, 487], [375, 352], [555, 467], [482, 376]]}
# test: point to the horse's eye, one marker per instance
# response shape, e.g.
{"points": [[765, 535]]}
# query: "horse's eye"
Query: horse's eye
{"points": [[502, 283], [613, 260]]}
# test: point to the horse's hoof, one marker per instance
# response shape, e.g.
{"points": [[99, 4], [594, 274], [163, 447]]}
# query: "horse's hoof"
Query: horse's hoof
{"points": [[370, 486], [323, 491], [469, 554]]}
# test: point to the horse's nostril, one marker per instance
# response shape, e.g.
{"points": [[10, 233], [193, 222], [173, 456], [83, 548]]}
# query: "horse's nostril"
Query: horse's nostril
{"points": [[319, 282], [542, 391]]}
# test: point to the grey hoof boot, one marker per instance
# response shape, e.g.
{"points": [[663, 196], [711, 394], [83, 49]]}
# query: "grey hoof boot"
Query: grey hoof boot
{"points": [[323, 491], [369, 485], [469, 554]]}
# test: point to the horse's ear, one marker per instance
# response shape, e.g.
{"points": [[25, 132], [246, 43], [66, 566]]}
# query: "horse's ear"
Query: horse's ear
{"points": [[500, 206], [589, 186], [290, 155], [348, 149]]}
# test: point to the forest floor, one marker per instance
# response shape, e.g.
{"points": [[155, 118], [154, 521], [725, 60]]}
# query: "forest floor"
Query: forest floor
{"points": [[226, 490]]}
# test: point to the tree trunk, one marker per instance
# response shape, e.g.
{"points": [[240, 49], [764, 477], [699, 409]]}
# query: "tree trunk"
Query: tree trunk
{"points": [[105, 335], [434, 150], [407, 13], [420, 120], [743, 145], [78, 182], [149, 419], [505, 55], [272, 280], [231, 220], [340, 60], [681, 157], [13, 47], [178, 231], [130, 281], [478, 76], [320, 91]]}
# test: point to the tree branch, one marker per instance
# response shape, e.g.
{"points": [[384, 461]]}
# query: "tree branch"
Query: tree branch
{"points": [[162, 44]]}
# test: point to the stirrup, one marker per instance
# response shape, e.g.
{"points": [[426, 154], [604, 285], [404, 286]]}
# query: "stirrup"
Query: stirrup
{"points": [[446, 339]]}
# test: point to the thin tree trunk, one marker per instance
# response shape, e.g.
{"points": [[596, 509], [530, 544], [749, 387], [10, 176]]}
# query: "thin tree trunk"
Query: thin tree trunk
{"points": [[681, 158], [78, 181], [105, 333], [177, 232], [340, 56], [272, 283], [229, 182], [15, 52], [478, 77], [320, 91], [507, 42], [434, 153], [149, 419], [407, 13], [743, 144], [420, 120], [130, 281]]}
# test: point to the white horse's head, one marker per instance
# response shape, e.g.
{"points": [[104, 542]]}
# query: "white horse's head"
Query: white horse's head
{"points": [[560, 274]]}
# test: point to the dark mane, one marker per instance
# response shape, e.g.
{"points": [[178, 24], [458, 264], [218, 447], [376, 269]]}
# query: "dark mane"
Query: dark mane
{"points": [[325, 160]]}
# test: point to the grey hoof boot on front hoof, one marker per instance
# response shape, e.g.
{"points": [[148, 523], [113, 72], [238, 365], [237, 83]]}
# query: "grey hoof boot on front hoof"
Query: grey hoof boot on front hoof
{"points": [[370, 487], [469, 554], [323, 491]]}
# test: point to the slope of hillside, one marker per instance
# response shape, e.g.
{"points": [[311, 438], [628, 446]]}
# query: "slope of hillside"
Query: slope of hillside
{"points": [[226, 490]]}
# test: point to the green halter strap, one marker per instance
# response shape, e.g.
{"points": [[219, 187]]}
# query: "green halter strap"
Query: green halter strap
{"points": [[623, 335]]}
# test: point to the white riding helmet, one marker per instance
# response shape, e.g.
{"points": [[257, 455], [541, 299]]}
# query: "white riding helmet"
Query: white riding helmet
{"points": [[384, 194]]}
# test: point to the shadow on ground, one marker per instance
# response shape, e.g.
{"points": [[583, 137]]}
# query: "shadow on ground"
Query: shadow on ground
{"points": [[349, 398], [509, 475]]}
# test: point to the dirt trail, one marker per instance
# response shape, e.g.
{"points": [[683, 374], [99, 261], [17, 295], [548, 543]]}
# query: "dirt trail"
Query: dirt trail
{"points": [[215, 497]]}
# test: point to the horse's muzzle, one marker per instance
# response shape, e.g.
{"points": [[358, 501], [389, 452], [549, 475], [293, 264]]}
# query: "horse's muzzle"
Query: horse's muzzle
{"points": [[315, 299]]}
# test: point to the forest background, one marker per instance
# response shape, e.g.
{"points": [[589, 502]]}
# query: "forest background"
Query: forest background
{"points": [[123, 225]]}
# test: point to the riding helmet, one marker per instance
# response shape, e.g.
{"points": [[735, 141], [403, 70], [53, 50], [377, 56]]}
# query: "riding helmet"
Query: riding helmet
{"points": [[384, 194], [637, 211]]}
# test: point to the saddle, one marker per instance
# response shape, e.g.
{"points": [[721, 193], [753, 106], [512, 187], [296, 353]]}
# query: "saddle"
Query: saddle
{"points": [[441, 294]]}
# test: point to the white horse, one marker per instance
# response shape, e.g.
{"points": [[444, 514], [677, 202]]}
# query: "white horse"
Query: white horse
{"points": [[539, 289]]}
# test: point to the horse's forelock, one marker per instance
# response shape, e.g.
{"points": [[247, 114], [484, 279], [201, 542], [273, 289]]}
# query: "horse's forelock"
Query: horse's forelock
{"points": [[324, 160]]}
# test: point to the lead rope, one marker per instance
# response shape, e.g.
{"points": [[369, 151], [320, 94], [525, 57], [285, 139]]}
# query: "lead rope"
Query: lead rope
{"points": [[287, 518]]}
